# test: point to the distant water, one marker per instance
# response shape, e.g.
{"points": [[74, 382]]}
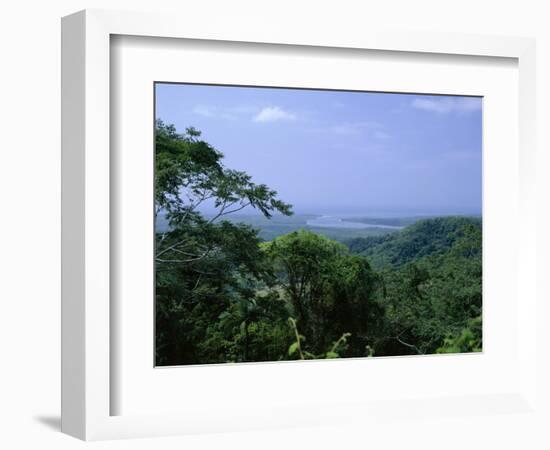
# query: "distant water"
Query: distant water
{"points": [[337, 222]]}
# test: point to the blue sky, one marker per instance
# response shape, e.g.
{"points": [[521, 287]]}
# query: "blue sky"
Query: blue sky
{"points": [[342, 152]]}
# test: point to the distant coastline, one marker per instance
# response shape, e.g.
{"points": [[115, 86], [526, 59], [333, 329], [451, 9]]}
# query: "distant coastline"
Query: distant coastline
{"points": [[340, 227], [339, 222]]}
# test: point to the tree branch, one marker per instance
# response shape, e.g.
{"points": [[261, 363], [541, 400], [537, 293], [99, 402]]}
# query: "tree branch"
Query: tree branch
{"points": [[414, 347]]}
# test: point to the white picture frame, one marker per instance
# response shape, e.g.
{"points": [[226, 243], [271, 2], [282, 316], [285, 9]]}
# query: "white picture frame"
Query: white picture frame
{"points": [[87, 384]]}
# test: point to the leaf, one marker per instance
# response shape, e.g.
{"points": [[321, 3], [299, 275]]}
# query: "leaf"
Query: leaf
{"points": [[293, 348], [332, 355]]}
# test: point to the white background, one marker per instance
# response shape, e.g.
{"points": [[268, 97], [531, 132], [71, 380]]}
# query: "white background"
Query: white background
{"points": [[30, 237]]}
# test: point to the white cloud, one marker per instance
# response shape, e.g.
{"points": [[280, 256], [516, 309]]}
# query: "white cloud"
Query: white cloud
{"points": [[273, 114], [447, 105], [266, 114], [216, 112]]}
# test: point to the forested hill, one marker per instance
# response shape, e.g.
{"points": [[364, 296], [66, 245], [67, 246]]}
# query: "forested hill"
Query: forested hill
{"points": [[423, 238]]}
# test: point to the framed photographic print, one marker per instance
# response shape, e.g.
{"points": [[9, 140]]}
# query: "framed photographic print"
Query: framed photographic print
{"points": [[267, 229], [322, 224]]}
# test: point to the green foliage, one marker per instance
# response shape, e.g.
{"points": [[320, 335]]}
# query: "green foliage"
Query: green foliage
{"points": [[223, 294], [303, 262], [329, 290], [189, 172], [433, 297], [296, 348], [468, 340], [204, 267], [423, 238]]}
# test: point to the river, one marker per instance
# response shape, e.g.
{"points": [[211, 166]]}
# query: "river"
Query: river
{"points": [[338, 222]]}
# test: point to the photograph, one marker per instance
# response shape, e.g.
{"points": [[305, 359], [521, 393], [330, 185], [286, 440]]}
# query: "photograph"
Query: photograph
{"points": [[300, 224]]}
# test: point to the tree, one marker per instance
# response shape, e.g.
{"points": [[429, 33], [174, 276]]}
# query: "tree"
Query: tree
{"points": [[351, 304], [434, 297], [331, 291], [202, 263], [303, 262], [241, 315]]}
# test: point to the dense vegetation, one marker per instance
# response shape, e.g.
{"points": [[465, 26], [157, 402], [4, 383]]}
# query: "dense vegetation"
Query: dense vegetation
{"points": [[225, 294], [423, 238]]}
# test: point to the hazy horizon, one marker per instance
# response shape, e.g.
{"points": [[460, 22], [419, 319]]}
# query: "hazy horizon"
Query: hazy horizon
{"points": [[335, 152]]}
